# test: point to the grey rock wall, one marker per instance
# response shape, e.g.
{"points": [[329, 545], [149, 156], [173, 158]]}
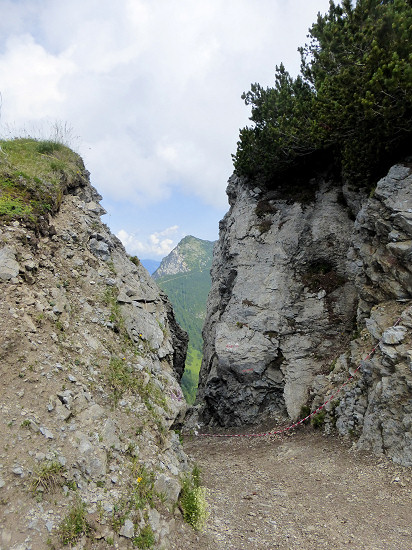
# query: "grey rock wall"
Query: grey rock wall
{"points": [[280, 305], [376, 410], [302, 291]]}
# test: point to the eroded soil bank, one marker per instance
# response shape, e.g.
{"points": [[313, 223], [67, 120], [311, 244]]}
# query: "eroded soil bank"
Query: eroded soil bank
{"points": [[305, 491]]}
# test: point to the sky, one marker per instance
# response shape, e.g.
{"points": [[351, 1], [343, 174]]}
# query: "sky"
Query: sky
{"points": [[149, 93]]}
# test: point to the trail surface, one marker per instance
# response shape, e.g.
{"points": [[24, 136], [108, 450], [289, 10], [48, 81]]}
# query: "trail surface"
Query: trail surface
{"points": [[304, 491]]}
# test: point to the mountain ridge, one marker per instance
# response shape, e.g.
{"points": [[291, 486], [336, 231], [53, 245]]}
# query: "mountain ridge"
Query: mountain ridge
{"points": [[184, 275]]}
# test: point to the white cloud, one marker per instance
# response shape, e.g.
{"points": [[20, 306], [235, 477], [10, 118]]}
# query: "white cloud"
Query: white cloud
{"points": [[152, 86], [158, 244]]}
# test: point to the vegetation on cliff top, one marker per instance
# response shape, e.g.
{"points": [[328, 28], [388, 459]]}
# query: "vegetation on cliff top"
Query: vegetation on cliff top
{"points": [[351, 104], [33, 178]]}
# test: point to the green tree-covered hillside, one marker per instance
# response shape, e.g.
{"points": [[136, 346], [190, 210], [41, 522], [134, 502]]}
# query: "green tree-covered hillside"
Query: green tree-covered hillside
{"points": [[185, 278], [351, 104]]}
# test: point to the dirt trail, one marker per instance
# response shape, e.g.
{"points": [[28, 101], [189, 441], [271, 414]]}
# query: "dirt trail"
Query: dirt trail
{"points": [[304, 491]]}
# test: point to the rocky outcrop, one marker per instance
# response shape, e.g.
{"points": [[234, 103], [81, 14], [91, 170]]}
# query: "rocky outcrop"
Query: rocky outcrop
{"points": [[377, 409], [90, 358], [291, 278], [280, 304]]}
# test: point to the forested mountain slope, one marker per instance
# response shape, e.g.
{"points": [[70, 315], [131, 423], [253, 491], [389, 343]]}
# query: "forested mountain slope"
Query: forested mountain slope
{"points": [[184, 275]]}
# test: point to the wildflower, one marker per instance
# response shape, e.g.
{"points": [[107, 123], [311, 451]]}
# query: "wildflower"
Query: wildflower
{"points": [[139, 479]]}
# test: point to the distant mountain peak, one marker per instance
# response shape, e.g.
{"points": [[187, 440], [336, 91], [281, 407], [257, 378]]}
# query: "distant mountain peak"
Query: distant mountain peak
{"points": [[191, 254]]}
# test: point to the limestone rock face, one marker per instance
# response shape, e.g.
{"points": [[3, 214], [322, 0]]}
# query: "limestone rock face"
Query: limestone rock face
{"points": [[378, 408], [280, 304], [291, 281]]}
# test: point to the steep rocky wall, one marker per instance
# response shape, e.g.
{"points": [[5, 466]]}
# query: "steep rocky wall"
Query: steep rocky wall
{"points": [[280, 304], [376, 410], [293, 283], [90, 358]]}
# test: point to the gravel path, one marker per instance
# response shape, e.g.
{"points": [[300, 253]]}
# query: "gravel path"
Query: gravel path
{"points": [[303, 491]]}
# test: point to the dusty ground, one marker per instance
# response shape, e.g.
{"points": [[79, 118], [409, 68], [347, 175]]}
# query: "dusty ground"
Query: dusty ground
{"points": [[305, 491]]}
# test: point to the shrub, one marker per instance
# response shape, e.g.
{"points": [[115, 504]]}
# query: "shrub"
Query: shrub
{"points": [[351, 104], [193, 501], [48, 147]]}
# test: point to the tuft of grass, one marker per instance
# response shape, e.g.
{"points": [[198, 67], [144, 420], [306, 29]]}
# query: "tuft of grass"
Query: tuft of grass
{"points": [[47, 477], [33, 178], [193, 501], [48, 147], [145, 539], [110, 299], [74, 524]]}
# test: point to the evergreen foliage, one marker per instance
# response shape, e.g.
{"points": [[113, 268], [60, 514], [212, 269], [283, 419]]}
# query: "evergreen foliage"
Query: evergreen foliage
{"points": [[351, 104]]}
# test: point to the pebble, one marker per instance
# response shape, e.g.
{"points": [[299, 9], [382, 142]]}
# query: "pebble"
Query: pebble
{"points": [[128, 529], [46, 432]]}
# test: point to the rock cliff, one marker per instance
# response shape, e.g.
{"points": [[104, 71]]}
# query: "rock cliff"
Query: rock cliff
{"points": [[90, 357], [297, 274]]}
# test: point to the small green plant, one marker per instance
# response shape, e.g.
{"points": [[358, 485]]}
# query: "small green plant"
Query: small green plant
{"points": [[140, 494], [59, 325], [145, 539], [143, 493], [121, 378], [264, 207], [74, 524], [47, 476], [304, 411], [110, 299], [319, 419], [193, 501], [25, 424]]}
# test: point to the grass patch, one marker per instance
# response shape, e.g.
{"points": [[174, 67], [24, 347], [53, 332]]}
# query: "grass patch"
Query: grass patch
{"points": [[110, 299], [124, 379], [74, 524], [33, 178], [47, 477], [145, 539]]}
